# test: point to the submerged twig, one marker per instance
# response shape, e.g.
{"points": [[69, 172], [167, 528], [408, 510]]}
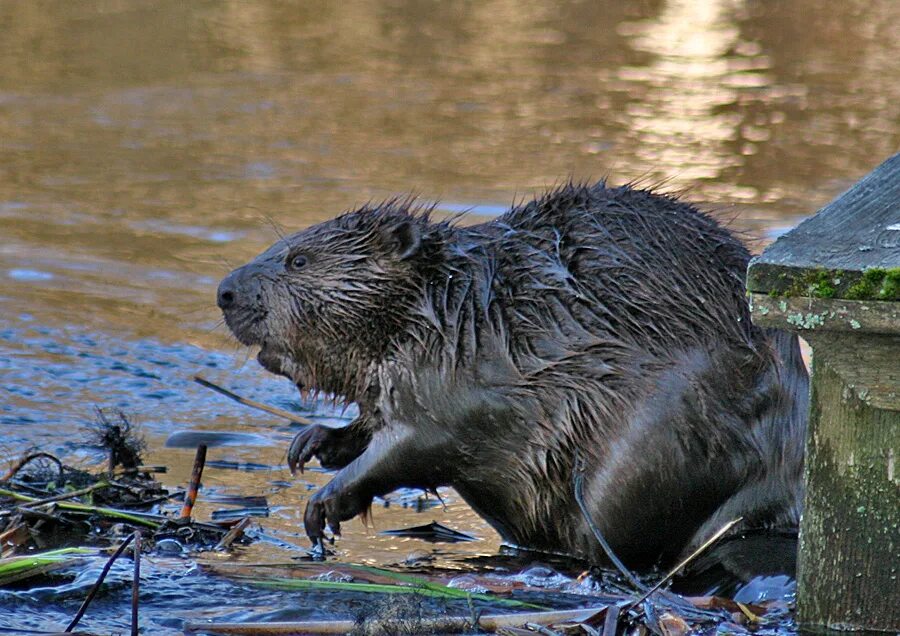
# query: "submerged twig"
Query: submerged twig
{"points": [[136, 584], [273, 410], [191, 496], [684, 562], [99, 581], [579, 498], [233, 534]]}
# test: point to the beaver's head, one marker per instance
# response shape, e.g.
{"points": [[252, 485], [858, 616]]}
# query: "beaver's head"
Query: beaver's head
{"points": [[326, 303]]}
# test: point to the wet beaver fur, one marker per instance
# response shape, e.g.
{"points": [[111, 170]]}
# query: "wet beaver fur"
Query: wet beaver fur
{"points": [[608, 324]]}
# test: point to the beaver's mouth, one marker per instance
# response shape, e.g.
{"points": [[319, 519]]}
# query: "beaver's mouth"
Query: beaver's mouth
{"points": [[247, 326], [279, 362], [282, 363]]}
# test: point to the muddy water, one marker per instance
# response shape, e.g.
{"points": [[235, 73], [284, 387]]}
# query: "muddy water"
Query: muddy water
{"points": [[145, 149]]}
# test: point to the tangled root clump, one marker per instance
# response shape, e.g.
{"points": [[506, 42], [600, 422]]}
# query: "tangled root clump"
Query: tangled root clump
{"points": [[112, 431]]}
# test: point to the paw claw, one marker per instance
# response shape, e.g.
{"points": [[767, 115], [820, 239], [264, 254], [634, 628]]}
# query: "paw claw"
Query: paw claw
{"points": [[303, 447], [328, 508]]}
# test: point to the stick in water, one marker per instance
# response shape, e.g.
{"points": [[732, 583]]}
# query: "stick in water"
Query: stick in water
{"points": [[99, 582], [273, 410], [136, 583], [703, 548], [232, 535], [190, 496]]}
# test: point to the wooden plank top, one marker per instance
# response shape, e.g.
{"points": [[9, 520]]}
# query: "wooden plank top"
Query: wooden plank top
{"points": [[849, 249]]}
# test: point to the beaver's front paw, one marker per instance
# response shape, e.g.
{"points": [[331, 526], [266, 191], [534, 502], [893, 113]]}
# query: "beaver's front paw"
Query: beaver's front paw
{"points": [[305, 445], [317, 441], [333, 447], [330, 506]]}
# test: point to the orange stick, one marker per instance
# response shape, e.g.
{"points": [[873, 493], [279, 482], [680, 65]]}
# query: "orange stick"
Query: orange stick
{"points": [[191, 496]]}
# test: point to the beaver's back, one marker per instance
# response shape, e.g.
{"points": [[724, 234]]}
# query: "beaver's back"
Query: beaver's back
{"points": [[647, 268]]}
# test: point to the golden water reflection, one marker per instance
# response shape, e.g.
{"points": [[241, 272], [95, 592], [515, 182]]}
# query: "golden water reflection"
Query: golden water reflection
{"points": [[147, 148]]}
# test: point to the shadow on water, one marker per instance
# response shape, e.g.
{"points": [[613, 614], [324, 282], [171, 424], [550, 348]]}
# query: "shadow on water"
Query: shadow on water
{"points": [[149, 148]]}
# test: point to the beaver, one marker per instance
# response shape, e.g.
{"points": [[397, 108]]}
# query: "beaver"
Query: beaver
{"points": [[594, 327]]}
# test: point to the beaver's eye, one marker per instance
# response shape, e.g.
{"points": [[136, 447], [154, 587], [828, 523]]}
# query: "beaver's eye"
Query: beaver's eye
{"points": [[296, 261]]}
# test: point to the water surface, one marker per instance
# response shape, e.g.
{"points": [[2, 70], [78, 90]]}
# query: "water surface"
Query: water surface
{"points": [[148, 148]]}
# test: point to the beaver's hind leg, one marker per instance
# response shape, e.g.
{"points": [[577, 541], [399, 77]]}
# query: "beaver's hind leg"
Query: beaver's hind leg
{"points": [[713, 440]]}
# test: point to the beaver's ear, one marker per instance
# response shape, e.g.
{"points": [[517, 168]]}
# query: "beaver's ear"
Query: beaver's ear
{"points": [[403, 238]]}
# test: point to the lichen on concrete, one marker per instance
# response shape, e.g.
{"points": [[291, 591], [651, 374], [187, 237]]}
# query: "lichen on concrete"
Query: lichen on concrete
{"points": [[806, 321]]}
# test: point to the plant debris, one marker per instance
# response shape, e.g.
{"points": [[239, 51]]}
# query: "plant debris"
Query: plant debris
{"points": [[46, 504], [113, 432], [18, 568]]}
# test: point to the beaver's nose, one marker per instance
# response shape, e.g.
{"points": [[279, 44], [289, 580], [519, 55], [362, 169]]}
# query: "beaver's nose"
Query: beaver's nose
{"points": [[226, 295]]}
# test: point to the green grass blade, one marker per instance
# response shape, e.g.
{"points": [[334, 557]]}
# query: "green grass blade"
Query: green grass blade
{"points": [[436, 590], [12, 494], [21, 567], [109, 512], [440, 587], [79, 507]]}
